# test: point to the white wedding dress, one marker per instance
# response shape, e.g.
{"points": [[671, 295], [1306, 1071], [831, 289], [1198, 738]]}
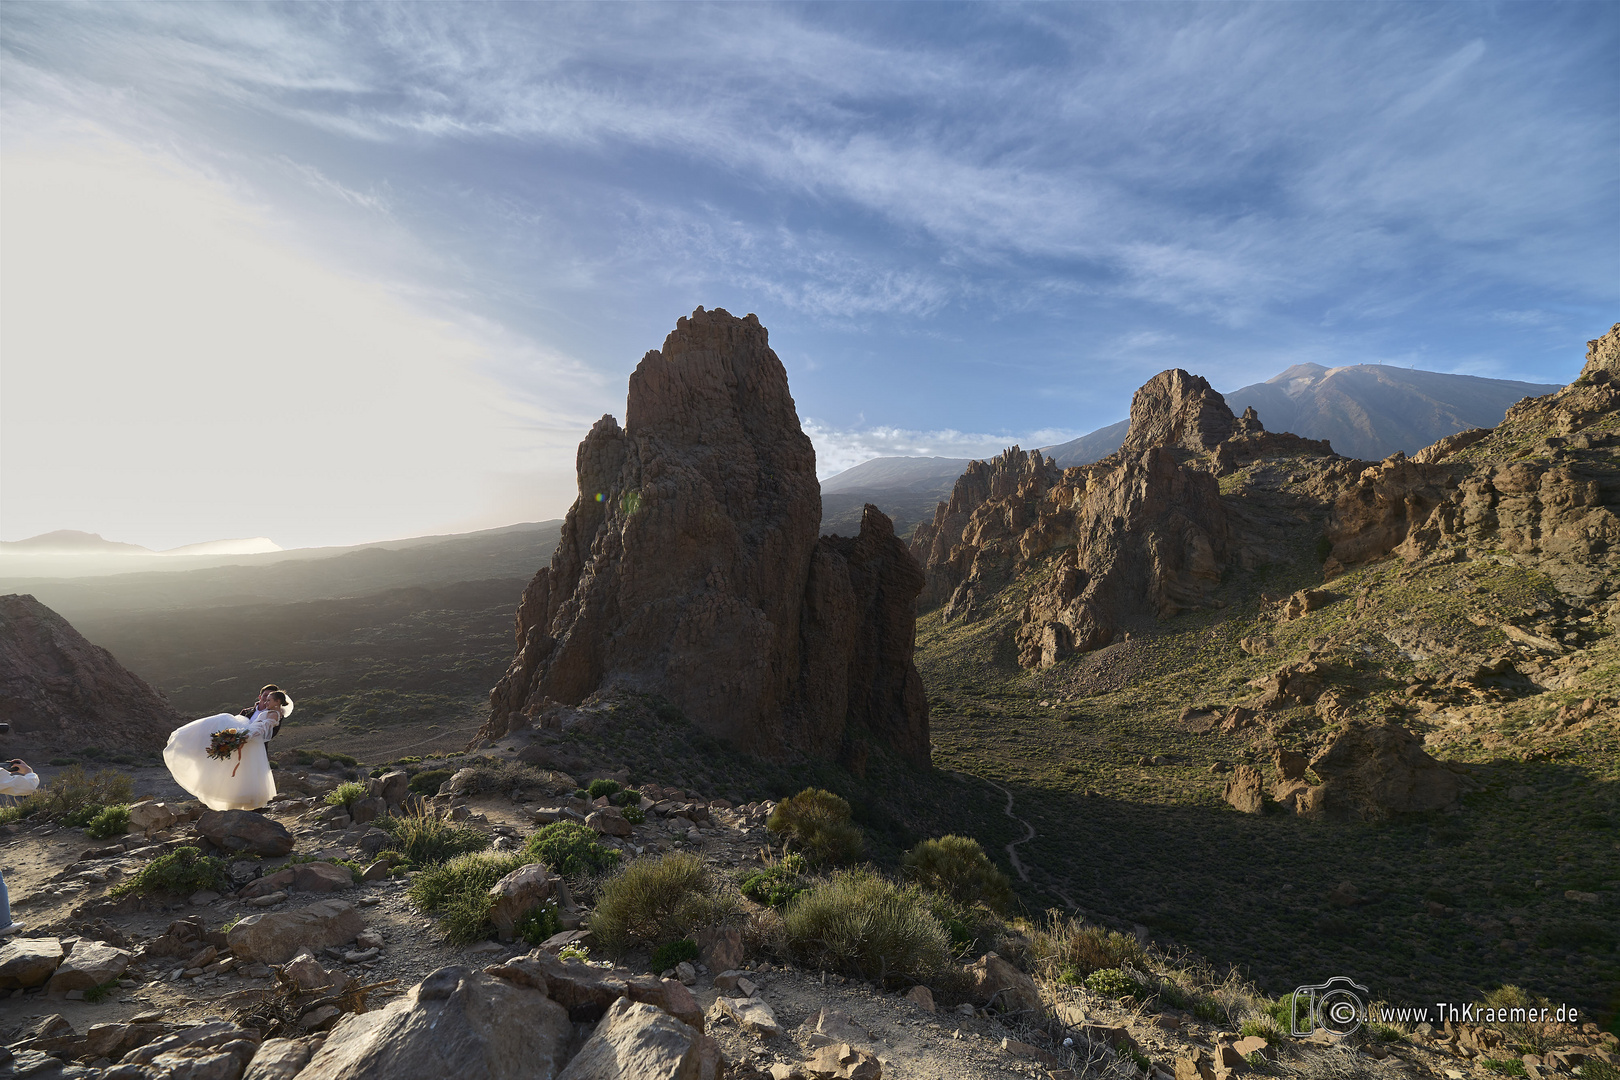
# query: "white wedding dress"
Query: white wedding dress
{"points": [[240, 782]]}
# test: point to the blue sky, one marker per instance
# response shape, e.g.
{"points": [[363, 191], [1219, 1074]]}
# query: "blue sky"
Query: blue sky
{"points": [[423, 245]]}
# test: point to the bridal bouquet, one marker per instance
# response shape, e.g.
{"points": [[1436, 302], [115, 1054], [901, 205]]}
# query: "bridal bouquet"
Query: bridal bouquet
{"points": [[227, 742]]}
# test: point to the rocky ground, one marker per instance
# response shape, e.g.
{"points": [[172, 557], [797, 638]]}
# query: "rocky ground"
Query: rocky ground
{"points": [[170, 967]]}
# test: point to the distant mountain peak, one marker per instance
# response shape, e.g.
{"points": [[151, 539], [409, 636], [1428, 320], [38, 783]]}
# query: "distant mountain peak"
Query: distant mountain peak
{"points": [[72, 542]]}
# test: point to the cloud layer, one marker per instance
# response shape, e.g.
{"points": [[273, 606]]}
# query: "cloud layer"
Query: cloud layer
{"points": [[962, 218]]}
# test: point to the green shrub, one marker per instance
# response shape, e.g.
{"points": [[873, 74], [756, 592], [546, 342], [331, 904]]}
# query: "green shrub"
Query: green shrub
{"points": [[458, 890], [1505, 1066], [1062, 943], [1599, 1070], [1387, 1033], [111, 821], [600, 788], [570, 849], [627, 797], [860, 923], [819, 823], [428, 781], [772, 886], [346, 795], [634, 814], [9, 814], [671, 953], [98, 994], [78, 819], [540, 923], [957, 867], [74, 789], [421, 838], [1265, 1026], [1112, 983], [183, 870], [1209, 1010], [657, 900]]}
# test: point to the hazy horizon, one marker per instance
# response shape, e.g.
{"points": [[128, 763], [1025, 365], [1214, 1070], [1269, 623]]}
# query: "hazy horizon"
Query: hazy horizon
{"points": [[332, 273]]}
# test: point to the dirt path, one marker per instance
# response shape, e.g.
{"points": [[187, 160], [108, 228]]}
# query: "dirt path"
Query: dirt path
{"points": [[1029, 834], [1029, 831]]}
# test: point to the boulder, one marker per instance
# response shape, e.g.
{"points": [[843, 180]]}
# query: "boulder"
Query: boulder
{"points": [[1371, 770], [392, 787], [518, 893], [750, 1014], [114, 1040], [279, 1059], [28, 962], [1245, 790], [841, 1061], [368, 809], [182, 939], [720, 947], [635, 1041], [1196, 1064], [587, 991], [455, 1023], [306, 973], [922, 997], [1290, 765], [998, 984], [90, 964], [1298, 796], [692, 567], [275, 937], [149, 817], [609, 821], [246, 832], [317, 877], [215, 1050]]}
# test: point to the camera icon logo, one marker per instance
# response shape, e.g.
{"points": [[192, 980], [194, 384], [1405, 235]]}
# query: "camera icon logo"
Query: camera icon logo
{"points": [[1337, 1006]]}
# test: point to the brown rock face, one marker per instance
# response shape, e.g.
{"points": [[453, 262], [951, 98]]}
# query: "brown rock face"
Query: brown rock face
{"points": [[1543, 486], [1177, 409], [56, 688], [1141, 535], [690, 568], [1376, 769]]}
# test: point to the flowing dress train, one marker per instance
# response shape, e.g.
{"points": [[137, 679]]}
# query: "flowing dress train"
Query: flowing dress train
{"points": [[240, 782]]}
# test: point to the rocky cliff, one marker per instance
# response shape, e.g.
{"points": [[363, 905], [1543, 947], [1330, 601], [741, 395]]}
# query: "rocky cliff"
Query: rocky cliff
{"points": [[690, 568], [1541, 489], [58, 690], [1140, 535]]}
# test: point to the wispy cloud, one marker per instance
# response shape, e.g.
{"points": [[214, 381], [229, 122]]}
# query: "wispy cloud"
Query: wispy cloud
{"points": [[997, 222], [840, 449]]}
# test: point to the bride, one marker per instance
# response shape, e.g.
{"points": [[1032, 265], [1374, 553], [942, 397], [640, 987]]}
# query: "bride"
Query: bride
{"points": [[241, 781]]}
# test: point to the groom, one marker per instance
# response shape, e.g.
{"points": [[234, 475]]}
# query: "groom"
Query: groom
{"points": [[270, 697]]}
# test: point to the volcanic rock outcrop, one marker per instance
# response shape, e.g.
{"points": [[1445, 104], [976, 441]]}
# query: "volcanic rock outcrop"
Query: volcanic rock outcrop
{"points": [[1141, 534], [1543, 488], [57, 689], [690, 568]]}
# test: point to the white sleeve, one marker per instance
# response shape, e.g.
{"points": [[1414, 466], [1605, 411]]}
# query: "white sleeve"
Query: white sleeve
{"points": [[12, 784], [263, 724]]}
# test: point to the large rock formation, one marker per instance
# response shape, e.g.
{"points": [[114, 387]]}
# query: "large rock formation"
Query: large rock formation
{"points": [[690, 568], [1141, 534], [1543, 488], [59, 690]]}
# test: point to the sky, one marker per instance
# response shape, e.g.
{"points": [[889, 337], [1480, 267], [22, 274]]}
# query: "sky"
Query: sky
{"points": [[333, 273]]}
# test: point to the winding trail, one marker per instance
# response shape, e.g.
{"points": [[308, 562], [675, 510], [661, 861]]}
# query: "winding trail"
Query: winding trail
{"points": [[1029, 834], [1029, 831]]}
